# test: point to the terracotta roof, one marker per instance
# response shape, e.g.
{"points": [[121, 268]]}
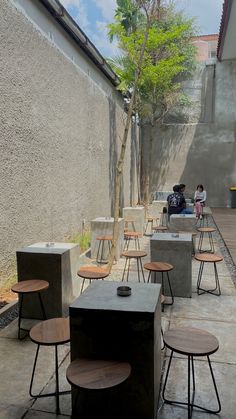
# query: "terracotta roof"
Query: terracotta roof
{"points": [[223, 26]]}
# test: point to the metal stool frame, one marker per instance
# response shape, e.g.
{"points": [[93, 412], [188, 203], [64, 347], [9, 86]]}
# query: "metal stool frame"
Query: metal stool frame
{"points": [[128, 239], [217, 288], [21, 297], [57, 393], [162, 285], [101, 260], [212, 248], [139, 262], [190, 402]]}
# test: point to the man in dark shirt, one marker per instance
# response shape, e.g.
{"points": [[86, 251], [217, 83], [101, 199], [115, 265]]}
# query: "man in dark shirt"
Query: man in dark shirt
{"points": [[176, 201]]}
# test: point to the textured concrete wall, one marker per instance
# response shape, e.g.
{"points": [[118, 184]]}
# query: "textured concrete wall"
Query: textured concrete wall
{"points": [[60, 130], [202, 152]]}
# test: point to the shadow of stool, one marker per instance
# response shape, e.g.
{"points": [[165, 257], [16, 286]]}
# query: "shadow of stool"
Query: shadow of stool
{"points": [[191, 343], [136, 255], [208, 258], [208, 231], [87, 376], [31, 286], [103, 241], [160, 267], [91, 273], [52, 332]]}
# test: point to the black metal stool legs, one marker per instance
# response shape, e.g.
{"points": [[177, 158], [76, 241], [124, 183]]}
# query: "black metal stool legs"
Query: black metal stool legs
{"points": [[171, 293], [217, 282], [57, 392], [191, 377], [21, 296]]}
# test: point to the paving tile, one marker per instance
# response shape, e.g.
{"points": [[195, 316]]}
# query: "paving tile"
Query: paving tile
{"points": [[11, 411]]}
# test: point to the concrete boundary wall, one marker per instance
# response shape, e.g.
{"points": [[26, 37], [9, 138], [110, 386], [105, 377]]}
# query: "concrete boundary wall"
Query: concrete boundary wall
{"points": [[194, 153], [61, 121]]}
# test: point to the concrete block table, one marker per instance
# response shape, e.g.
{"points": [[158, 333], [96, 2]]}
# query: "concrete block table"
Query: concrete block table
{"points": [[183, 222], [103, 226], [106, 326], [162, 195], [175, 249], [58, 265], [138, 215]]}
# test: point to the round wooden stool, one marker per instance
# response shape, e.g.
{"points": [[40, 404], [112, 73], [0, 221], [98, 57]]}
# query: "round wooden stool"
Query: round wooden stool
{"points": [[29, 287], [91, 273], [192, 343], [208, 258], [160, 229], [208, 231], [52, 332], [131, 235], [90, 374], [137, 255], [161, 267], [101, 246]]}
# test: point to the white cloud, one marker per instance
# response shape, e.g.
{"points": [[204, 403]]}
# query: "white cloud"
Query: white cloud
{"points": [[80, 15], [101, 41], [107, 8]]}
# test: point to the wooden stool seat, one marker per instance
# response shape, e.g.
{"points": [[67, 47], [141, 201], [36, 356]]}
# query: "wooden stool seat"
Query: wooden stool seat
{"points": [[134, 254], [31, 285], [104, 238], [133, 233], [137, 255], [191, 342], [158, 266], [160, 228], [23, 288], [94, 374], [208, 258], [91, 273], [161, 267], [206, 229], [52, 332]]}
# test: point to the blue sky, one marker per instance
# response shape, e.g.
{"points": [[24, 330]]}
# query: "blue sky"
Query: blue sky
{"points": [[93, 16]]}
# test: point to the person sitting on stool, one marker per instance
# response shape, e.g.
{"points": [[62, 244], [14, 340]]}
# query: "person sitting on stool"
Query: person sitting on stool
{"points": [[199, 200], [176, 202]]}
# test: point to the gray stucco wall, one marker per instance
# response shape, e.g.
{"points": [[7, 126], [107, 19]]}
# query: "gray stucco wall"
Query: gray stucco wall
{"points": [[201, 152], [60, 130]]}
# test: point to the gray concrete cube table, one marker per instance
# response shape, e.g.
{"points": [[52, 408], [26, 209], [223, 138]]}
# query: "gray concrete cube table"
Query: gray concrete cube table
{"points": [[103, 226], [58, 265], [138, 215], [175, 249], [106, 326], [183, 222]]}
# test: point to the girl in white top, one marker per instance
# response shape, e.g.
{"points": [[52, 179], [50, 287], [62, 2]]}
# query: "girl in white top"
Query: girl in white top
{"points": [[199, 200]]}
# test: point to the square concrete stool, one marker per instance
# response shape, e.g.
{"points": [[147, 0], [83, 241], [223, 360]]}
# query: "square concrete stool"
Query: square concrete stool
{"points": [[191, 343]]}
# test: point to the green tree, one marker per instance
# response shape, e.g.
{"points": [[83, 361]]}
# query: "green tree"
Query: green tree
{"points": [[156, 53]]}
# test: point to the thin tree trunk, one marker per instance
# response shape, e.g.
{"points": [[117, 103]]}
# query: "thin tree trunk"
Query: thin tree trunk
{"points": [[120, 164]]}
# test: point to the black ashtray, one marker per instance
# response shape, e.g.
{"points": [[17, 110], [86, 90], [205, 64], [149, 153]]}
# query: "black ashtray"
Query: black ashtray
{"points": [[124, 291]]}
